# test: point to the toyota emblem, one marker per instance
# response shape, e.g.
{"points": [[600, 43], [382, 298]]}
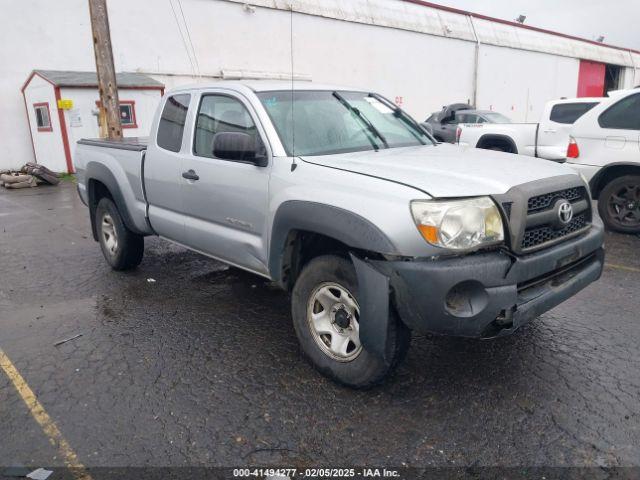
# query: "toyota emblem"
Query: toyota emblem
{"points": [[565, 212]]}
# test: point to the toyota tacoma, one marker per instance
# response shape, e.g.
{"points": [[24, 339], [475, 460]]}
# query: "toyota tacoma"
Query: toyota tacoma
{"points": [[345, 201]]}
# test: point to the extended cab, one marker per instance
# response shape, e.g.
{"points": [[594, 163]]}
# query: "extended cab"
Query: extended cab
{"points": [[342, 199], [547, 139]]}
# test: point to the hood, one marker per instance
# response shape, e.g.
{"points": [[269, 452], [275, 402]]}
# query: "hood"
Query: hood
{"points": [[446, 170]]}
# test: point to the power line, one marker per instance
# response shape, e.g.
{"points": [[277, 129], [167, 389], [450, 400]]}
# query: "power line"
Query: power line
{"points": [[184, 41], [193, 50]]}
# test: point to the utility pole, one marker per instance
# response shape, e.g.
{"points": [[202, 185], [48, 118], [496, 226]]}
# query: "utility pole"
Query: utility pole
{"points": [[109, 108]]}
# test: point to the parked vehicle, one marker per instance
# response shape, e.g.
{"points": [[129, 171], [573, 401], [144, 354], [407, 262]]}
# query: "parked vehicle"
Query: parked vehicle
{"points": [[442, 125], [547, 139], [605, 147], [481, 116], [348, 204]]}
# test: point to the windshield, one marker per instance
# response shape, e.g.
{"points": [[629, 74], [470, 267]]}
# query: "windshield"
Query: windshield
{"points": [[326, 122], [496, 117]]}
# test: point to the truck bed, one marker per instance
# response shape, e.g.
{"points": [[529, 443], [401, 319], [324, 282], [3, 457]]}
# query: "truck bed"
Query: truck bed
{"points": [[136, 144], [118, 164]]}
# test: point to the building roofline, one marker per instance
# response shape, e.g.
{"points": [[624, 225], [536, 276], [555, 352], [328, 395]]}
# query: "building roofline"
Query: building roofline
{"points": [[515, 24], [148, 84]]}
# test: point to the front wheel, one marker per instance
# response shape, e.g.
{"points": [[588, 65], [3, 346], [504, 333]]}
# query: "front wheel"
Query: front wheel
{"points": [[326, 318], [122, 248], [619, 204]]}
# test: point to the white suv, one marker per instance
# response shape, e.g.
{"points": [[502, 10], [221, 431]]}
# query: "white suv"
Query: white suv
{"points": [[605, 147]]}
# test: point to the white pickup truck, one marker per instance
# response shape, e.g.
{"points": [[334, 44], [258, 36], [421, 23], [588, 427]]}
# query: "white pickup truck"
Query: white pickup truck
{"points": [[342, 199], [547, 139]]}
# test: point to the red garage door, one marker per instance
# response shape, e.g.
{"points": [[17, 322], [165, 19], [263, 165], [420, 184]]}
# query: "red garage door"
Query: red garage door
{"points": [[591, 79]]}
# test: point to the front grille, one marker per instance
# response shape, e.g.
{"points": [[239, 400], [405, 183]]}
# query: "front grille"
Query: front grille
{"points": [[543, 202], [539, 235]]}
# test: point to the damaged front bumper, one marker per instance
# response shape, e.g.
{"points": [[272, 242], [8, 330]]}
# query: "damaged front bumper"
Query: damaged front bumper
{"points": [[480, 295]]}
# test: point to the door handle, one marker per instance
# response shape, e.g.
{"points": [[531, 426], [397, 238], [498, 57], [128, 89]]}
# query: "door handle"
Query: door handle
{"points": [[190, 175], [549, 131]]}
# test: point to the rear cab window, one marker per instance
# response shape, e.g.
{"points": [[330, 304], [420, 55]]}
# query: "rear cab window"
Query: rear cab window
{"points": [[172, 122], [568, 113]]}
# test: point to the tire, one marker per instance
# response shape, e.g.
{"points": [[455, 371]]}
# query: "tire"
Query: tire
{"points": [[324, 277], [619, 204], [122, 248]]}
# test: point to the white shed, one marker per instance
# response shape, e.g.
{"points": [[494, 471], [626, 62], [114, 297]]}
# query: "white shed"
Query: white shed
{"points": [[62, 108]]}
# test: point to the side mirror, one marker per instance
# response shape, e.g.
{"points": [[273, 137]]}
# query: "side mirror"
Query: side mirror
{"points": [[240, 147]]}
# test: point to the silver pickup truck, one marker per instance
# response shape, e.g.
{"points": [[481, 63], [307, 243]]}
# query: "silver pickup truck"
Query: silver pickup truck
{"points": [[342, 199]]}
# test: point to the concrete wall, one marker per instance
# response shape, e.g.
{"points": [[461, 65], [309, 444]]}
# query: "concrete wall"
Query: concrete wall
{"points": [[518, 83], [423, 71], [423, 55]]}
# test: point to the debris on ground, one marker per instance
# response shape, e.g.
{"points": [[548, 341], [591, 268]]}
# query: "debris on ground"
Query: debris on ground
{"points": [[42, 173], [40, 474], [18, 180], [67, 340], [29, 176]]}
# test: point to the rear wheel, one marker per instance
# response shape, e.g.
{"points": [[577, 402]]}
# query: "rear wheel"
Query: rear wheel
{"points": [[619, 204], [326, 318], [122, 248]]}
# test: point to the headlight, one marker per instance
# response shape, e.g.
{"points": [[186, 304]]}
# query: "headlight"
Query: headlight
{"points": [[458, 224]]}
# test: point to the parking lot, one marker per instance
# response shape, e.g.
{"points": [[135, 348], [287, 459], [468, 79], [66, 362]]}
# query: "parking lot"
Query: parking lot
{"points": [[185, 361]]}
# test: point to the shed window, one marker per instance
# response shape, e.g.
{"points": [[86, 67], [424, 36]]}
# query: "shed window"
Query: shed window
{"points": [[127, 113], [43, 118]]}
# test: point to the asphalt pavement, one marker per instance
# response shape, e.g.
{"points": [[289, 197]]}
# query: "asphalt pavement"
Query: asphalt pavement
{"points": [[187, 362]]}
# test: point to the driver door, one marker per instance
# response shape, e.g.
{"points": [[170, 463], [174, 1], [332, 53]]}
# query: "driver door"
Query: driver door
{"points": [[225, 201]]}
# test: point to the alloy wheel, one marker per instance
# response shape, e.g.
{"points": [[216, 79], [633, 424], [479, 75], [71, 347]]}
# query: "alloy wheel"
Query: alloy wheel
{"points": [[623, 205]]}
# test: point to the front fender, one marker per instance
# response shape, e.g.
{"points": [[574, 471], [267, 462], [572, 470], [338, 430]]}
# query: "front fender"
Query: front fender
{"points": [[342, 225]]}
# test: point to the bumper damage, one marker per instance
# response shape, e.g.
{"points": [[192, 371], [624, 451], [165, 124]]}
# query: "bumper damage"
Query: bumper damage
{"points": [[482, 295]]}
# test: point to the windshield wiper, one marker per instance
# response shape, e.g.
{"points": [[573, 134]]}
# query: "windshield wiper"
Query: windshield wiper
{"points": [[402, 115], [370, 126]]}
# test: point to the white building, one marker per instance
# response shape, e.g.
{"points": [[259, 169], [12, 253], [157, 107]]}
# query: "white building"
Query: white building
{"points": [[420, 54], [73, 99]]}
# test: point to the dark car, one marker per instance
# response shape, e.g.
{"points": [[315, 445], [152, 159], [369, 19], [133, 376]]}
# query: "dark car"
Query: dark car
{"points": [[443, 124]]}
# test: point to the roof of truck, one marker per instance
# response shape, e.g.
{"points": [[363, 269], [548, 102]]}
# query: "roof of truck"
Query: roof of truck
{"points": [[267, 86]]}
